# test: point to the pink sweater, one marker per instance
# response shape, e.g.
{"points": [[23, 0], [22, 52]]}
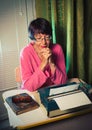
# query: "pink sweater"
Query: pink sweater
{"points": [[33, 77]]}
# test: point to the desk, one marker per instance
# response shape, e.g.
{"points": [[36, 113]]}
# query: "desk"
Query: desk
{"points": [[37, 117], [82, 122]]}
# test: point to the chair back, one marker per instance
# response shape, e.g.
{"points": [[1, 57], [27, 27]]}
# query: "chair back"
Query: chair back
{"points": [[18, 76]]}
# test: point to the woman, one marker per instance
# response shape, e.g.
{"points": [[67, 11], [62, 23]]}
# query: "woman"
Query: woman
{"points": [[42, 63]]}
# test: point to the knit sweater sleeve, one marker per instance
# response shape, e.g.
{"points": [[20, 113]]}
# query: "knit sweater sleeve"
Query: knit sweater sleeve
{"points": [[32, 76], [60, 76]]}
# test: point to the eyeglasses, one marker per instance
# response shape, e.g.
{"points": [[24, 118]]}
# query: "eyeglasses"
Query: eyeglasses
{"points": [[40, 39]]}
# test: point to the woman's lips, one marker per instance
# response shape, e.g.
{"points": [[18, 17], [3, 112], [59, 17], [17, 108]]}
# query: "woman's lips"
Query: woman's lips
{"points": [[43, 46]]}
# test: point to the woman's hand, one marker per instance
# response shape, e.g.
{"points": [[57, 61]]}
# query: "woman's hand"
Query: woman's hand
{"points": [[45, 55]]}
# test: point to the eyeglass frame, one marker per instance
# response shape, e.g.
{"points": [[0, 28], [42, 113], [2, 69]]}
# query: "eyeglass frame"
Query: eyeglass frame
{"points": [[45, 38]]}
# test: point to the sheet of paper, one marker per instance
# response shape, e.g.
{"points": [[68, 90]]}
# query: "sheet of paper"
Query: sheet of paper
{"points": [[57, 90], [73, 100]]}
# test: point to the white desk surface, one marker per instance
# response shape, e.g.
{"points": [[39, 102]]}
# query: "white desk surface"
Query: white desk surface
{"points": [[32, 118]]}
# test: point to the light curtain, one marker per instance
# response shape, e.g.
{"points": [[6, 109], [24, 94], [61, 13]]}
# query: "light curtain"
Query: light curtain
{"points": [[71, 22]]}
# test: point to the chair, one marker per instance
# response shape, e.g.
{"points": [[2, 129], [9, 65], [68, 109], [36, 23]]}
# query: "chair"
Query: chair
{"points": [[18, 76]]}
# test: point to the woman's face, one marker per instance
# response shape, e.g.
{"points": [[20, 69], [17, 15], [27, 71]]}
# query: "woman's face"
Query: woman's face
{"points": [[42, 40]]}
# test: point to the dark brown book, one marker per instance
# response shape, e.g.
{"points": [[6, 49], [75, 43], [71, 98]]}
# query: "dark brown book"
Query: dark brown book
{"points": [[22, 103]]}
